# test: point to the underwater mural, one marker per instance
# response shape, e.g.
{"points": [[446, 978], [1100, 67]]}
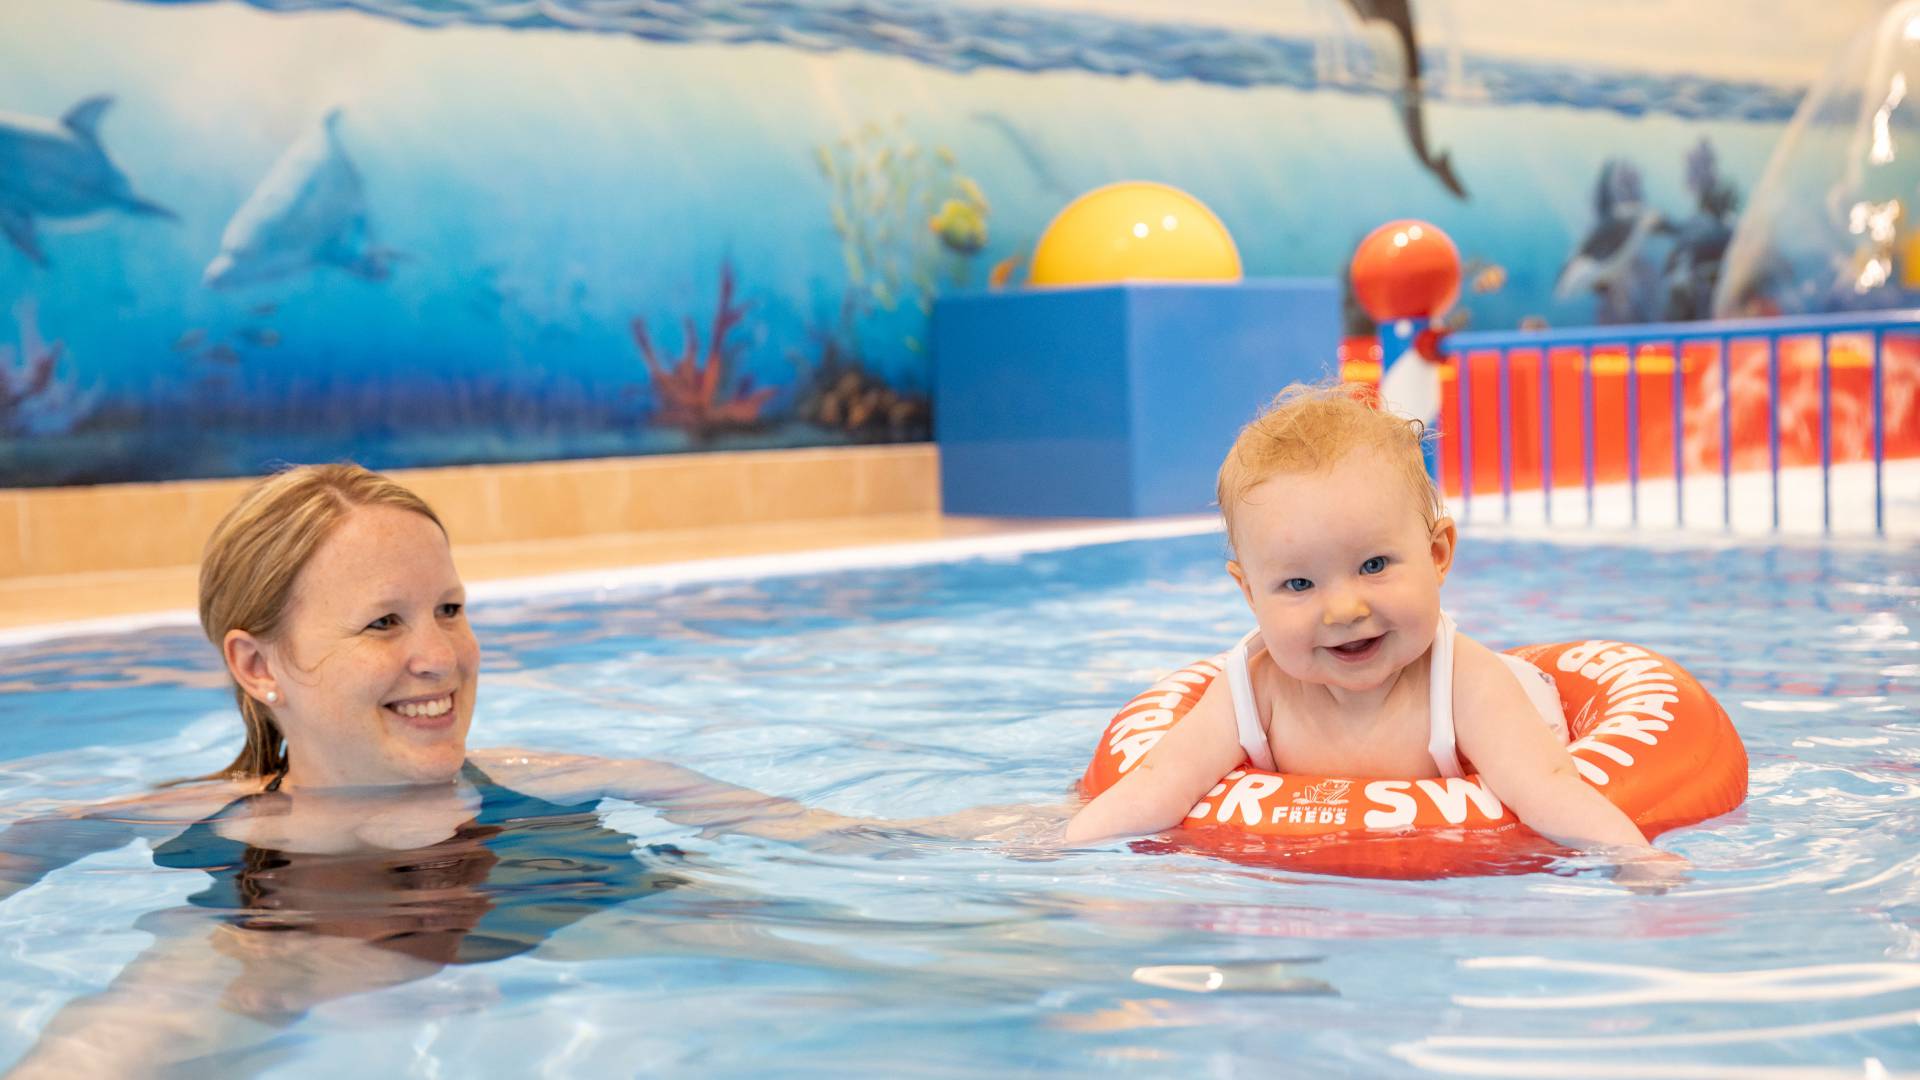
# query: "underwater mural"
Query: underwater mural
{"points": [[241, 232]]}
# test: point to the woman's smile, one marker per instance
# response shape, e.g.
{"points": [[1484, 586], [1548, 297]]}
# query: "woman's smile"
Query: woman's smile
{"points": [[433, 713]]}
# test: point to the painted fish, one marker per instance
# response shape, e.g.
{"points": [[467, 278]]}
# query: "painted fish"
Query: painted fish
{"points": [[961, 226], [1003, 271]]}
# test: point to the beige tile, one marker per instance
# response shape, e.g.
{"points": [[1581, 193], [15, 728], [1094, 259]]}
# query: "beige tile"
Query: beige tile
{"points": [[130, 526], [12, 534], [71, 597], [466, 500], [113, 528], [564, 499], [689, 492], [805, 486], [907, 482]]}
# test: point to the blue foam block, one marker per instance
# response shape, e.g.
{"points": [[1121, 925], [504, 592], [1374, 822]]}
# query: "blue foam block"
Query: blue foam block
{"points": [[1115, 401]]}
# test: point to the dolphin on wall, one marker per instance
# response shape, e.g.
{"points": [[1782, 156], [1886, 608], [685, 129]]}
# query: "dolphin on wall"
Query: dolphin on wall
{"points": [[1396, 16], [310, 210], [59, 170]]}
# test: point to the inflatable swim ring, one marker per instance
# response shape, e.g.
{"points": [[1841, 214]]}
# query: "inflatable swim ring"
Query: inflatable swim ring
{"points": [[1644, 733]]}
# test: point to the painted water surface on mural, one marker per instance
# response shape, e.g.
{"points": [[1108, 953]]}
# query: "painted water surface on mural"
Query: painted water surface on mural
{"points": [[239, 233]]}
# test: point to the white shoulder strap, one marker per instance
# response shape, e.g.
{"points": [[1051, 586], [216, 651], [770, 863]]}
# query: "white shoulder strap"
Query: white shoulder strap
{"points": [[1246, 715], [1440, 740]]}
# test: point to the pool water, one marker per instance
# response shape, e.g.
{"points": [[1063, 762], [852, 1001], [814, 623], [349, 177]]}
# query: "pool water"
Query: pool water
{"points": [[1793, 950]]}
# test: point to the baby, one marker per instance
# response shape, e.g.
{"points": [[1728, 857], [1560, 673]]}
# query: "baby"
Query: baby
{"points": [[1340, 548]]}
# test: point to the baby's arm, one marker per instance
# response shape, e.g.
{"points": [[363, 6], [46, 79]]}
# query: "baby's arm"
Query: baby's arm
{"points": [[1524, 764], [1162, 789]]}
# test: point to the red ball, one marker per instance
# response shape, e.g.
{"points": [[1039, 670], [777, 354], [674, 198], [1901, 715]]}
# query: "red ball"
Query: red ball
{"points": [[1406, 270]]}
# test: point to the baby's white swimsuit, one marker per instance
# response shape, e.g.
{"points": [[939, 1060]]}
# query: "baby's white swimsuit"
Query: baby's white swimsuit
{"points": [[1253, 729]]}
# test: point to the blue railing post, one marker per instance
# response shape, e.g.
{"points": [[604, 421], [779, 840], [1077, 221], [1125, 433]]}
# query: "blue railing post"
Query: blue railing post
{"points": [[1879, 437], [1506, 437], [1773, 423], [1679, 437], [1465, 383], [1826, 435], [1633, 436], [1546, 432], [1726, 433], [1587, 423]]}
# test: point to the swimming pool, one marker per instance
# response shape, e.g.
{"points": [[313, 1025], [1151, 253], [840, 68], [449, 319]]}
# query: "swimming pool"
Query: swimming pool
{"points": [[913, 690]]}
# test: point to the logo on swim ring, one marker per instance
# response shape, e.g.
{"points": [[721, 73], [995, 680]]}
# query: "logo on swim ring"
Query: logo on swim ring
{"points": [[1324, 803]]}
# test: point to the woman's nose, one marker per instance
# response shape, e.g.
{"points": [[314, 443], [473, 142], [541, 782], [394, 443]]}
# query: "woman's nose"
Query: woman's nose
{"points": [[433, 651]]}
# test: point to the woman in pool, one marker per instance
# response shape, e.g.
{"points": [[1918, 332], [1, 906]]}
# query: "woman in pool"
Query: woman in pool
{"points": [[355, 815]]}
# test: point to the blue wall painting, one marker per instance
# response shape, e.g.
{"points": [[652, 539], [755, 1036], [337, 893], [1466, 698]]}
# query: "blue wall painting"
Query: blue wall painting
{"points": [[238, 233]]}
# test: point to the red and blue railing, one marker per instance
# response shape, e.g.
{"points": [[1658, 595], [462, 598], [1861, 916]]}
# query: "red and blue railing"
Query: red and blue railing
{"points": [[1622, 405]]}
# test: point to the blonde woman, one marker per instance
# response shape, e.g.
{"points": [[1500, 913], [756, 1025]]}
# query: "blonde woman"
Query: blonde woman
{"points": [[355, 815]]}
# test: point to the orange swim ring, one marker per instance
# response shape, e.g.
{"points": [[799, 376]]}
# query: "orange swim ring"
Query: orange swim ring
{"points": [[1644, 733]]}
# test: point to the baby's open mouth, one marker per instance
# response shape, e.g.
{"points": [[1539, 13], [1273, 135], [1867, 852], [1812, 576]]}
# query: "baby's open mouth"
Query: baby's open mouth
{"points": [[1357, 650]]}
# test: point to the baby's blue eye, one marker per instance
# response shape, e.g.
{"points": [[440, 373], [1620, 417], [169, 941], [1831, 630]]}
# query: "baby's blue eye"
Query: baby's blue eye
{"points": [[1296, 584], [1374, 565]]}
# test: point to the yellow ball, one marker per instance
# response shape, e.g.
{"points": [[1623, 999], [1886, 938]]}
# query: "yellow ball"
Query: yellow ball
{"points": [[1134, 231]]}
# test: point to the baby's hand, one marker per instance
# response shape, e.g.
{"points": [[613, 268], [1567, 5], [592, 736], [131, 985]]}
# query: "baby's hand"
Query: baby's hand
{"points": [[1649, 871]]}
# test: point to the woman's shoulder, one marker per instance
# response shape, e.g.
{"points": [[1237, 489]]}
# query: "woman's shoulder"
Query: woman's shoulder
{"points": [[550, 774], [180, 804]]}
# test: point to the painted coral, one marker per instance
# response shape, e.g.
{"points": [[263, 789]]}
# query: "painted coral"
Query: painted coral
{"points": [[32, 400], [695, 393]]}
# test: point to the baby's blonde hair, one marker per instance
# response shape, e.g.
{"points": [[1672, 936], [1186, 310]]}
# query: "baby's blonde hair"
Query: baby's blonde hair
{"points": [[1309, 427]]}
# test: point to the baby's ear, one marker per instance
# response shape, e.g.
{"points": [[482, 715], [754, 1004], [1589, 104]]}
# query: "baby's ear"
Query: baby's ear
{"points": [[1240, 579], [1445, 536]]}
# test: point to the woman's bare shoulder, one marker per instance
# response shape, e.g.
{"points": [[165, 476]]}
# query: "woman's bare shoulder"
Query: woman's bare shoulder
{"points": [[562, 777], [184, 803], [553, 775]]}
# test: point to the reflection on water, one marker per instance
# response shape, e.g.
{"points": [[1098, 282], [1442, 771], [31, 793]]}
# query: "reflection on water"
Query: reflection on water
{"points": [[908, 692], [505, 881]]}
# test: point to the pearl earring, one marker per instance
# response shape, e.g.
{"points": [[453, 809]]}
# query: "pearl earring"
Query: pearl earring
{"points": [[272, 697]]}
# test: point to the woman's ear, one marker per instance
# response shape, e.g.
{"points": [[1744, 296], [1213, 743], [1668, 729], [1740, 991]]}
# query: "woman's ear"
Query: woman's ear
{"points": [[246, 658], [1445, 536]]}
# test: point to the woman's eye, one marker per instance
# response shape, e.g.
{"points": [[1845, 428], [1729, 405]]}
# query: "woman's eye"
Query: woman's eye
{"points": [[449, 611], [1374, 565], [1296, 584], [384, 622]]}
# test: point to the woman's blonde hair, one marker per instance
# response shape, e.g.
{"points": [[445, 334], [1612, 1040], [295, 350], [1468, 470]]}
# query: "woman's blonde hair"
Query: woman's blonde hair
{"points": [[252, 560], [1309, 427]]}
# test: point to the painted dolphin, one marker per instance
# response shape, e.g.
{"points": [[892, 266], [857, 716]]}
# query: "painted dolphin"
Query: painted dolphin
{"points": [[310, 210], [59, 170], [1623, 223], [1397, 17]]}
